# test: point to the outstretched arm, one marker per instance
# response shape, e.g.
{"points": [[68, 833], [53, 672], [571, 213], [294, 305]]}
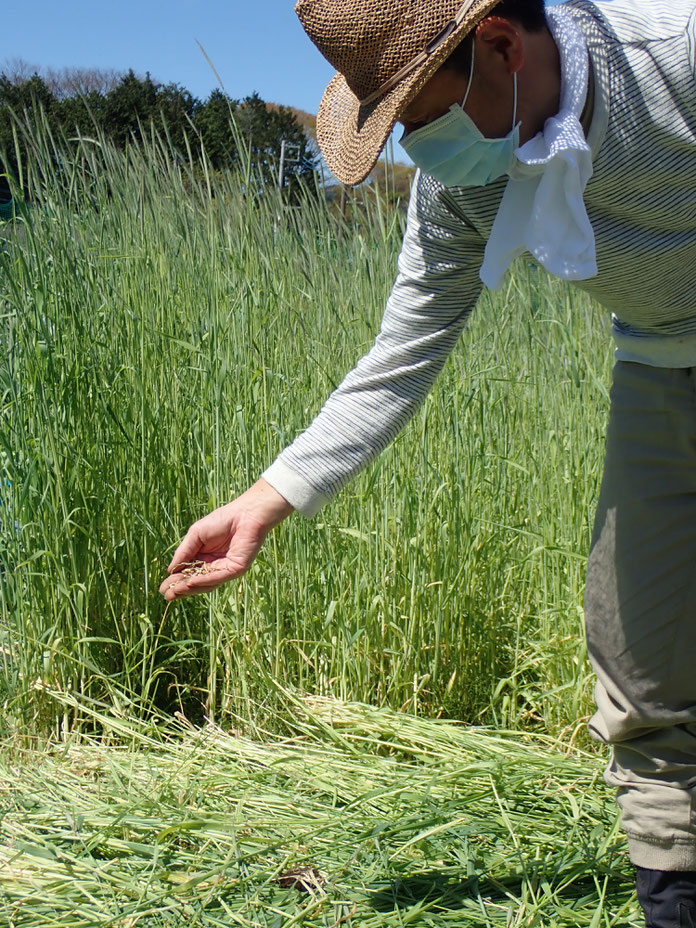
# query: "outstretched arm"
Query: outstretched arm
{"points": [[435, 291]]}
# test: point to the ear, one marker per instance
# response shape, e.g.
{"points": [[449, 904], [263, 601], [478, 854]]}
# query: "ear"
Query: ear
{"points": [[499, 42]]}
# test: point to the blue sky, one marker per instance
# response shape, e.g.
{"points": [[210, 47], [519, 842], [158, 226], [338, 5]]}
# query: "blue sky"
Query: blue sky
{"points": [[254, 44], [257, 45]]}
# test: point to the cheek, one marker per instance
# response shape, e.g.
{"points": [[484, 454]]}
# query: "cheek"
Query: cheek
{"points": [[409, 126]]}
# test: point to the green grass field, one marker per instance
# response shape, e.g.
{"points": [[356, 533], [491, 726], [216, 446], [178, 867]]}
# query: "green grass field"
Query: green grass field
{"points": [[167, 331]]}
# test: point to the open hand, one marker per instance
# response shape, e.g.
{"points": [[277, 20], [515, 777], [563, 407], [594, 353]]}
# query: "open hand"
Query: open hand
{"points": [[223, 544]]}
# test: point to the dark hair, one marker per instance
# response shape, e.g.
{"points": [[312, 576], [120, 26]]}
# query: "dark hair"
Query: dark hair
{"points": [[528, 13]]}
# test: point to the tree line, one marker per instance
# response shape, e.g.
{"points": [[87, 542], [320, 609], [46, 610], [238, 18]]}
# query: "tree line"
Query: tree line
{"points": [[126, 107]]}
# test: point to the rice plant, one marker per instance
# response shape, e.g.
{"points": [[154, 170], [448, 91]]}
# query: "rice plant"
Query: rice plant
{"points": [[167, 331]]}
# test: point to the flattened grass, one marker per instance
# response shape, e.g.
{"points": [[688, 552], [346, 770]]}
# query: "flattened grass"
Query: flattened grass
{"points": [[354, 816]]}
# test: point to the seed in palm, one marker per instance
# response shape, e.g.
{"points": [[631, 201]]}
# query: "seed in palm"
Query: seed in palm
{"points": [[194, 568]]}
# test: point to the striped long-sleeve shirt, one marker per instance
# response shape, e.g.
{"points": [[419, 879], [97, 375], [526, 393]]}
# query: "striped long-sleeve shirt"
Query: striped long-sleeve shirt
{"points": [[641, 201]]}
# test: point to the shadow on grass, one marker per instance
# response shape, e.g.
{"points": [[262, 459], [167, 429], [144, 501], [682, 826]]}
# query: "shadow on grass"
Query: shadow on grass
{"points": [[443, 893], [428, 886]]}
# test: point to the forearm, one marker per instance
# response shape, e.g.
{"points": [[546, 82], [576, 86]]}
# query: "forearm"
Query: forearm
{"points": [[437, 287], [373, 403]]}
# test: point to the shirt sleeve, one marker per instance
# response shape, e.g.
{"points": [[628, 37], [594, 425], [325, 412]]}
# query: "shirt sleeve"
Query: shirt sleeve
{"points": [[436, 288]]}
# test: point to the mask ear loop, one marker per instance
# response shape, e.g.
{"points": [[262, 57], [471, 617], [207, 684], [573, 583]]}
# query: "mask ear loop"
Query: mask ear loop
{"points": [[471, 73]]}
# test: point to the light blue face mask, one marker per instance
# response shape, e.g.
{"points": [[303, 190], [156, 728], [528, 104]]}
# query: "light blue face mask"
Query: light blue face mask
{"points": [[454, 151]]}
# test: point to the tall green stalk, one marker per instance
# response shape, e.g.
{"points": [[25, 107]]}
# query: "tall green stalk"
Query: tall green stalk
{"points": [[168, 331]]}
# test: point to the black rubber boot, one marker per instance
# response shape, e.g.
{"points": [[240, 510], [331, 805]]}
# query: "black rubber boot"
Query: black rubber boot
{"points": [[668, 897]]}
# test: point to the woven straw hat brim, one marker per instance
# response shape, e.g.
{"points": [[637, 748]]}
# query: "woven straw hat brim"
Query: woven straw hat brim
{"points": [[352, 136]]}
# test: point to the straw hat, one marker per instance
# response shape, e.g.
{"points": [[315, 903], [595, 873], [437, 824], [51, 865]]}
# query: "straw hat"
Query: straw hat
{"points": [[384, 51]]}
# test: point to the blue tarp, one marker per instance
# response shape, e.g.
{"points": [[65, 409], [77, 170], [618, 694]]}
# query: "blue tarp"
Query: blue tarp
{"points": [[7, 209]]}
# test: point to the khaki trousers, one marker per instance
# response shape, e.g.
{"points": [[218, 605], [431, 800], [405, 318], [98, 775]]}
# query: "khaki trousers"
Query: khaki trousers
{"points": [[640, 607]]}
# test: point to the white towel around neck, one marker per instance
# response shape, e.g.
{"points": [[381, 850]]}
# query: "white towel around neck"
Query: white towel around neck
{"points": [[542, 210]]}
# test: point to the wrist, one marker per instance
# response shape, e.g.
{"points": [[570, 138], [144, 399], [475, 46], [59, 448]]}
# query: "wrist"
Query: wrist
{"points": [[294, 487], [270, 505]]}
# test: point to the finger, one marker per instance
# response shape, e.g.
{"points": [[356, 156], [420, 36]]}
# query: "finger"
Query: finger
{"points": [[179, 585], [183, 576], [188, 548], [169, 582], [181, 590]]}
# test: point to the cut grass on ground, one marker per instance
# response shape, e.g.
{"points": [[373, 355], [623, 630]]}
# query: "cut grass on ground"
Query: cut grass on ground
{"points": [[356, 816]]}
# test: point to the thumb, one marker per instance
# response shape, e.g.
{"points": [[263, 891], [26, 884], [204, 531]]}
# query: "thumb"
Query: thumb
{"points": [[188, 549]]}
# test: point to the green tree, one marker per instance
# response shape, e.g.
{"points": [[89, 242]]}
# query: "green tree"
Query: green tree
{"points": [[128, 108], [26, 101], [264, 128], [131, 107], [223, 124], [213, 122]]}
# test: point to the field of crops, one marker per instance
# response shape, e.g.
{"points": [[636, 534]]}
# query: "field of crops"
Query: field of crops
{"points": [[167, 331]]}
